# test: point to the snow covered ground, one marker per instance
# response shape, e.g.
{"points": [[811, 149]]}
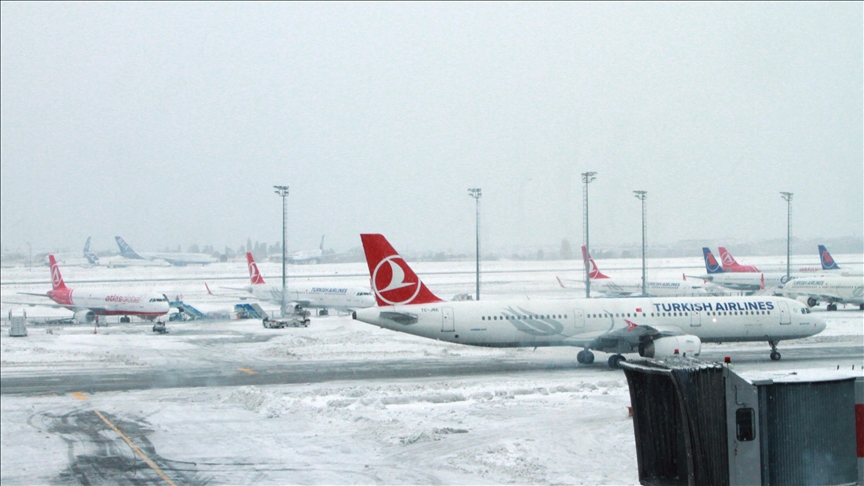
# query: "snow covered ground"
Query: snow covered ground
{"points": [[567, 425]]}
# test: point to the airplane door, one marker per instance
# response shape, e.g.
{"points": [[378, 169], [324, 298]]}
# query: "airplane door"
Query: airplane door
{"points": [[785, 317], [695, 319], [578, 319], [447, 324]]}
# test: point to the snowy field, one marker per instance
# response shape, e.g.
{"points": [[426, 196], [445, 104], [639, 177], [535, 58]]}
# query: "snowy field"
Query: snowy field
{"points": [[568, 424]]}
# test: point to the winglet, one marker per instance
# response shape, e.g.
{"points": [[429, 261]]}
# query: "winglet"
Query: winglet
{"points": [[254, 274], [762, 282], [593, 271], [560, 282], [828, 262], [393, 281], [208, 288]]}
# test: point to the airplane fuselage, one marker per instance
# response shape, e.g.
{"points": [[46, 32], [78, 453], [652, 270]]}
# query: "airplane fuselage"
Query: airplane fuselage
{"points": [[580, 322], [107, 302], [316, 297]]}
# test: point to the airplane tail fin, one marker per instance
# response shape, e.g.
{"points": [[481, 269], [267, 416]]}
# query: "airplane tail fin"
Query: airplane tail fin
{"points": [[727, 258], [762, 282], [711, 264], [57, 282], [89, 255], [828, 262], [593, 271], [87, 246], [393, 281], [321, 246], [254, 274], [126, 250]]}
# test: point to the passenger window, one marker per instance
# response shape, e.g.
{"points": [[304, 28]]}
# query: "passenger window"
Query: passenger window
{"points": [[745, 424]]}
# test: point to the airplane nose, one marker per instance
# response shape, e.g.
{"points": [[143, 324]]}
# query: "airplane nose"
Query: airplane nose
{"points": [[820, 324]]}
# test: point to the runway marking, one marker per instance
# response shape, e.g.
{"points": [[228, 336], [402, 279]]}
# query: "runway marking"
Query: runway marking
{"points": [[247, 371], [136, 449], [79, 396]]}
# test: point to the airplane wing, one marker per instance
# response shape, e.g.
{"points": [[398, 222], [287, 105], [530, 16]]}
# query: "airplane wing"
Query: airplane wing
{"points": [[629, 332]]}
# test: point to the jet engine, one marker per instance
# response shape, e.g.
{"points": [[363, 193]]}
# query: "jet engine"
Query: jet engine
{"points": [[685, 345], [85, 316]]}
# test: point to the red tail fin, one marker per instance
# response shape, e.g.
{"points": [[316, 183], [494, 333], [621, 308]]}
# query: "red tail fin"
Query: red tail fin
{"points": [[393, 281], [593, 271], [727, 258], [762, 283], [56, 279], [254, 274]]}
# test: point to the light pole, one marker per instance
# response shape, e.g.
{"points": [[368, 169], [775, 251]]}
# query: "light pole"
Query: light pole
{"points": [[475, 193], [283, 193], [641, 196], [30, 256], [788, 197], [587, 177]]}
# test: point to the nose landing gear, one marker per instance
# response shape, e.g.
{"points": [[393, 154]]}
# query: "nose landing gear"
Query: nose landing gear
{"points": [[775, 356]]}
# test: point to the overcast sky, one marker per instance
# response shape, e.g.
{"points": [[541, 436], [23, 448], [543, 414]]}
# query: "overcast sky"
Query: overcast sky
{"points": [[169, 123]]}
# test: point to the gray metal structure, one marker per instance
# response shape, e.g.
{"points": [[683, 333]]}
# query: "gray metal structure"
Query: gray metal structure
{"points": [[282, 191], [641, 196], [788, 197], [701, 423], [476, 193], [587, 178], [17, 323]]}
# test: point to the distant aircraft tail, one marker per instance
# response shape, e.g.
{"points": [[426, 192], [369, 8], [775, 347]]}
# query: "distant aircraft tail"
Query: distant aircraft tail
{"points": [[321, 246], [393, 281], [711, 264], [127, 250], [89, 255], [57, 282], [593, 271], [828, 262], [254, 274]]}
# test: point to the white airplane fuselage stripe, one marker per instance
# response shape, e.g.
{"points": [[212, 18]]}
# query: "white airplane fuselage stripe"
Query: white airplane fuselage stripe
{"points": [[557, 322]]}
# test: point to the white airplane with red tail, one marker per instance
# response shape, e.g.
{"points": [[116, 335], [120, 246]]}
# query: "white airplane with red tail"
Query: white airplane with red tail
{"points": [[615, 287], [653, 327], [321, 297], [88, 304]]}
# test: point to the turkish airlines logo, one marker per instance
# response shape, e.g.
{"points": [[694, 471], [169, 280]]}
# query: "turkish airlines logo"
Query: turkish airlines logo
{"points": [[727, 259], [253, 272], [56, 279], [631, 325], [388, 281], [592, 267]]}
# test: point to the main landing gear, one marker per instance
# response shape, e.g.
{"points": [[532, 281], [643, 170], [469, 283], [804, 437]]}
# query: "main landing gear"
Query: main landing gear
{"points": [[775, 356], [615, 360], [585, 357], [832, 307]]}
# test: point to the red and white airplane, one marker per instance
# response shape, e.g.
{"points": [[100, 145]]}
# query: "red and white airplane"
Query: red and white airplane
{"points": [[653, 327], [321, 297], [87, 304]]}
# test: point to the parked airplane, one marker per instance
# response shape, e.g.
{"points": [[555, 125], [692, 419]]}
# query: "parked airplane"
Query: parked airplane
{"points": [[730, 265], [309, 256], [87, 304], [653, 327], [830, 289], [322, 297], [741, 281], [177, 259], [610, 287]]}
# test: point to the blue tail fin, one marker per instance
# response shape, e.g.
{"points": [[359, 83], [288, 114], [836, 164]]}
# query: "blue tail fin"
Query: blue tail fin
{"points": [[127, 250], [711, 264], [87, 246], [89, 255], [828, 262]]}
